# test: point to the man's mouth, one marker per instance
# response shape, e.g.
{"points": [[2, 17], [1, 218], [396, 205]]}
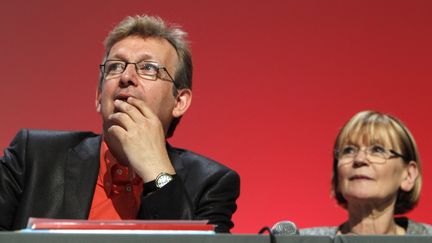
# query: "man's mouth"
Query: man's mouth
{"points": [[122, 97]]}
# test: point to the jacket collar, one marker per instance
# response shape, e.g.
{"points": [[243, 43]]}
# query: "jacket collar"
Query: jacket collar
{"points": [[176, 160], [82, 169]]}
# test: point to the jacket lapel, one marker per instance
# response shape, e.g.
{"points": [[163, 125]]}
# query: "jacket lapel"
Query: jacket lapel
{"points": [[82, 170], [176, 161], [81, 173]]}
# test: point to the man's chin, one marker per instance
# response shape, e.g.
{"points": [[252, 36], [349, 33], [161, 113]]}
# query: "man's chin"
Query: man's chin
{"points": [[115, 148]]}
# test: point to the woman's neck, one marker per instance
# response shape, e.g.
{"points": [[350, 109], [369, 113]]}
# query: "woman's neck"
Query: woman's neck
{"points": [[368, 219]]}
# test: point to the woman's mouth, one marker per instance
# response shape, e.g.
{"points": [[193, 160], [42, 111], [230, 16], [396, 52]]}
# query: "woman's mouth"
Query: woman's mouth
{"points": [[360, 177]]}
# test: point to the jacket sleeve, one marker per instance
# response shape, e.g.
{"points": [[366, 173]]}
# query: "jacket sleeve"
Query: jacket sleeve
{"points": [[12, 174], [216, 202]]}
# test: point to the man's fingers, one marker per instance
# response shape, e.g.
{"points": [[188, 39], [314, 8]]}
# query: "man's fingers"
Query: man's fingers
{"points": [[142, 107], [129, 109], [117, 131], [121, 119]]}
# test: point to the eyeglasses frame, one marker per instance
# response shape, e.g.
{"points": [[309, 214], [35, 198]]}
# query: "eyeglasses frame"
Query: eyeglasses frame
{"points": [[102, 69]]}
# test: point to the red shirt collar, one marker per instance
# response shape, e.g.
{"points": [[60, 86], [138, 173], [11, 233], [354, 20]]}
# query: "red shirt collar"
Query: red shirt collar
{"points": [[120, 177]]}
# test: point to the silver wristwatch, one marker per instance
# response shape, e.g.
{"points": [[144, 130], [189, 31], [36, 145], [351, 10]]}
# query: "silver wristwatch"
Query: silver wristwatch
{"points": [[162, 179]]}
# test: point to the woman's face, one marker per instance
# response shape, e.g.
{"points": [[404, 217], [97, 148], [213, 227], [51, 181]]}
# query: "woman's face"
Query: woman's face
{"points": [[364, 177]]}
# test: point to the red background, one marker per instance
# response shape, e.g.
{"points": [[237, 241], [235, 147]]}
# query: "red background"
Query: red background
{"points": [[273, 83]]}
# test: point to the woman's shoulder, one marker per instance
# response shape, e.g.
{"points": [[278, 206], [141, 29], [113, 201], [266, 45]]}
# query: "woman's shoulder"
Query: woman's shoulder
{"points": [[416, 228], [412, 228], [323, 230]]}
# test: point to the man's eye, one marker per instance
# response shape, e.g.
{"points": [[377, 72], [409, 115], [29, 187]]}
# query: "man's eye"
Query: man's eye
{"points": [[115, 67], [149, 68]]}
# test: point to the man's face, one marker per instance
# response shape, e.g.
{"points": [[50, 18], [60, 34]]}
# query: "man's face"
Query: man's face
{"points": [[157, 94]]}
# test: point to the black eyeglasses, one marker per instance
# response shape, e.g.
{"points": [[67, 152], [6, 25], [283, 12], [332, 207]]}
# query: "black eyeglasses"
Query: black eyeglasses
{"points": [[145, 69]]}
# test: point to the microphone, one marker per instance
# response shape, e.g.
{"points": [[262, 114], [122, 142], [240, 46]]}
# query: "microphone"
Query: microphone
{"points": [[284, 228]]}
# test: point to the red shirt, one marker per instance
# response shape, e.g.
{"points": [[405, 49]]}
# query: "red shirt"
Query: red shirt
{"points": [[118, 192]]}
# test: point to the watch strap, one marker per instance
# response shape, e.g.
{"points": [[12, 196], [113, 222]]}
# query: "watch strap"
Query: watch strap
{"points": [[150, 186]]}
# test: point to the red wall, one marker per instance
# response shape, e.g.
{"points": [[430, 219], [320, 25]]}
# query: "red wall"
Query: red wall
{"points": [[273, 83]]}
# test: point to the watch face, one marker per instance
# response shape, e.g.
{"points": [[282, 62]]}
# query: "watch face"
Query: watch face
{"points": [[163, 179]]}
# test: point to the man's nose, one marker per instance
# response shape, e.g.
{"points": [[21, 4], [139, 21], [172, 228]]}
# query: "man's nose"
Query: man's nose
{"points": [[129, 76]]}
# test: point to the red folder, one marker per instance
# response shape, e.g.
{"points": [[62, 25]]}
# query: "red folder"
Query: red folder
{"points": [[77, 224]]}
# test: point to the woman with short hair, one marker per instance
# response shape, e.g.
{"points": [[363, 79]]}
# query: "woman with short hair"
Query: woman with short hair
{"points": [[377, 174]]}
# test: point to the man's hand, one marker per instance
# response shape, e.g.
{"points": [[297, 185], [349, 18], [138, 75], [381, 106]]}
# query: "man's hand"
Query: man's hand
{"points": [[137, 138]]}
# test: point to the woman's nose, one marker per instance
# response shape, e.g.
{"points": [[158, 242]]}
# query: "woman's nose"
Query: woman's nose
{"points": [[360, 158]]}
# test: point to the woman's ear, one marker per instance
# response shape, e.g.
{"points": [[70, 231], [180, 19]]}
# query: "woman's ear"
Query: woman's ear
{"points": [[97, 101], [409, 176], [182, 102]]}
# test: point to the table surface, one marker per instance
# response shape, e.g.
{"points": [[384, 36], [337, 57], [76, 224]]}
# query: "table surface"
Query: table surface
{"points": [[47, 237]]}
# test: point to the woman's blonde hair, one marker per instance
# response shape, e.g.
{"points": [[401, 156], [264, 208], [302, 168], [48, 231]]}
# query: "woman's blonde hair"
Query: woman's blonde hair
{"points": [[370, 127]]}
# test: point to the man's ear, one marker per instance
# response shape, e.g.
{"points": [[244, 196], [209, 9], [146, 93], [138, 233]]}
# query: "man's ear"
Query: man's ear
{"points": [[97, 100], [182, 102], [409, 176]]}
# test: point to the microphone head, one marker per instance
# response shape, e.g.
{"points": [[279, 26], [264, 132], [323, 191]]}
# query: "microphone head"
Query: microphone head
{"points": [[284, 228]]}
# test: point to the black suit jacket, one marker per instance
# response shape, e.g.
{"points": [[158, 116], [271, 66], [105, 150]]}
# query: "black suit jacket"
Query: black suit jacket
{"points": [[53, 175]]}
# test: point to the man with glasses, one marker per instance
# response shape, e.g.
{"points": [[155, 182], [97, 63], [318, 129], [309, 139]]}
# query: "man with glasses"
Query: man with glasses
{"points": [[128, 172]]}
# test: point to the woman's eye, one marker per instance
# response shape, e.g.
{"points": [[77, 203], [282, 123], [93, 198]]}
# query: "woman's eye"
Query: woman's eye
{"points": [[349, 150], [377, 149]]}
